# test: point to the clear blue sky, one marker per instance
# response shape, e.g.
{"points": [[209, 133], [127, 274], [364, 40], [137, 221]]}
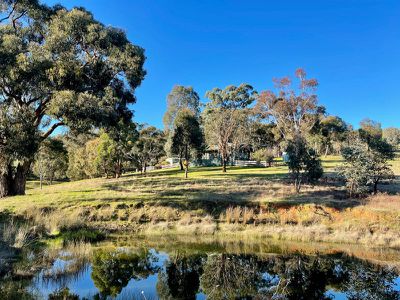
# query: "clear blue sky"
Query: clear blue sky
{"points": [[351, 46]]}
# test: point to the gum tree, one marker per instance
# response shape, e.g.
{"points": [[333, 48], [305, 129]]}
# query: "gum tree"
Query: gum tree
{"points": [[59, 68], [295, 111], [180, 98], [149, 147], [187, 136], [224, 116]]}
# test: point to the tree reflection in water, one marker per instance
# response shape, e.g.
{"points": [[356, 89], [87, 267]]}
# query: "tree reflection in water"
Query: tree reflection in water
{"points": [[112, 270], [295, 276], [180, 278], [231, 276], [224, 276]]}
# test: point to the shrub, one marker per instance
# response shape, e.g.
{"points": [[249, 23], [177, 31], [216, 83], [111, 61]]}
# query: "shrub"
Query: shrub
{"points": [[264, 155], [303, 162], [366, 165]]}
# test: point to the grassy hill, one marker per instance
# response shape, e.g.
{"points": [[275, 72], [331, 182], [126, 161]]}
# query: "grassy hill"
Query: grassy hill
{"points": [[245, 201]]}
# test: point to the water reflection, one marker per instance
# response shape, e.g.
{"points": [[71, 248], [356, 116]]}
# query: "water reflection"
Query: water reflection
{"points": [[180, 279], [125, 273], [112, 270]]}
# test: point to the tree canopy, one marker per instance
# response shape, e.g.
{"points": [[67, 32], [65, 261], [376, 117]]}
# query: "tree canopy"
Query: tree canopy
{"points": [[59, 68]]}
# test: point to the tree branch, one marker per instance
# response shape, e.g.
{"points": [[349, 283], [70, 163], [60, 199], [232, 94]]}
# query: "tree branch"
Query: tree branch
{"points": [[11, 12], [52, 128]]}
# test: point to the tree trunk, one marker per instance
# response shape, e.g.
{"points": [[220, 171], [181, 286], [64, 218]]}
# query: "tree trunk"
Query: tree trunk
{"points": [[118, 170], [186, 171], [376, 187], [4, 185], [18, 183], [181, 163], [186, 161], [326, 151], [224, 165]]}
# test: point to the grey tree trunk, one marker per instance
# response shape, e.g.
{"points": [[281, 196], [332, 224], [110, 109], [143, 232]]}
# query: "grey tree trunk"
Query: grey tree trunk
{"points": [[4, 185], [14, 184]]}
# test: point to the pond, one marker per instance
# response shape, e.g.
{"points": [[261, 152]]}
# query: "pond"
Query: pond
{"points": [[164, 268]]}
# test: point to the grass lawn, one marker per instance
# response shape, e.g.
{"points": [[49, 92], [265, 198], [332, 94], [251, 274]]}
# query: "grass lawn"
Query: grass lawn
{"points": [[210, 201]]}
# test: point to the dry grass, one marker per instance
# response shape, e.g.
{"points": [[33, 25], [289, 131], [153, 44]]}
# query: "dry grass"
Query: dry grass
{"points": [[163, 201], [16, 235], [53, 221]]}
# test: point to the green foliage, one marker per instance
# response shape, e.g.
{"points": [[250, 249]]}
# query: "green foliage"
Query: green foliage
{"points": [[63, 294], [187, 136], [392, 135], [82, 160], [180, 279], [83, 234], [230, 276], [149, 147], [59, 68], [264, 155], [180, 98], [370, 131], [112, 270], [303, 162], [226, 118], [51, 161], [366, 165], [262, 135], [106, 157], [331, 129]]}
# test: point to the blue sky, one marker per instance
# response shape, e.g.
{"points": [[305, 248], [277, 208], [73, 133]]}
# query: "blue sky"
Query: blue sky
{"points": [[351, 46]]}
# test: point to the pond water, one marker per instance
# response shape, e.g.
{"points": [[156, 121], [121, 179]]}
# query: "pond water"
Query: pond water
{"points": [[139, 269]]}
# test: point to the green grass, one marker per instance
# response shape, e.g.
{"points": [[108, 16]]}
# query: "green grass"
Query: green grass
{"points": [[168, 185], [164, 199], [205, 185]]}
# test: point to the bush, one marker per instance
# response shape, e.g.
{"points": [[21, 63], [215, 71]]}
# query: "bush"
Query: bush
{"points": [[303, 162], [366, 165], [264, 155]]}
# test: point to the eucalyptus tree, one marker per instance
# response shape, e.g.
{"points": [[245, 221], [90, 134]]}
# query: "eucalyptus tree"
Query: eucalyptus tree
{"points": [[392, 135], [187, 137], [114, 148], [295, 111], [371, 128], [366, 164], [180, 98], [225, 116], [59, 68], [332, 129], [149, 147], [51, 161]]}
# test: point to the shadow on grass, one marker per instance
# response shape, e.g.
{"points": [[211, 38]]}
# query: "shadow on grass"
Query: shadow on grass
{"points": [[212, 191]]}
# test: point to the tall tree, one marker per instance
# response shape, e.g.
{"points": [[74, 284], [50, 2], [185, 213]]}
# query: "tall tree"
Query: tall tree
{"points": [[224, 115], [82, 160], [392, 135], [114, 148], [149, 148], [51, 161], [187, 136], [366, 164], [371, 128], [180, 97], [59, 68], [295, 111], [331, 129]]}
